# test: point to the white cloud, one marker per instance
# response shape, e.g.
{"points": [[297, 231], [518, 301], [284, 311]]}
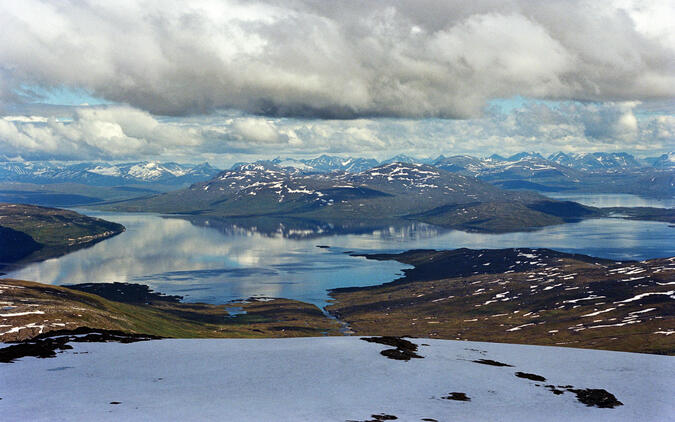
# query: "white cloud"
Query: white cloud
{"points": [[26, 119], [343, 59], [93, 133], [255, 130], [117, 133]]}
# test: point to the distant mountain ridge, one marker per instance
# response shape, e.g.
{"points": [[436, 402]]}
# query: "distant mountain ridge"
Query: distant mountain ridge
{"points": [[321, 164], [597, 161], [598, 172], [106, 174], [590, 162]]}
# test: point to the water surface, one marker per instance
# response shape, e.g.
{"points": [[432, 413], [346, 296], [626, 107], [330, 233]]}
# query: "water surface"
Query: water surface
{"points": [[613, 200], [217, 261]]}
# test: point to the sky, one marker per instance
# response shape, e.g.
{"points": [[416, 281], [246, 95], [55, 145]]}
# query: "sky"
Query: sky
{"points": [[226, 81]]}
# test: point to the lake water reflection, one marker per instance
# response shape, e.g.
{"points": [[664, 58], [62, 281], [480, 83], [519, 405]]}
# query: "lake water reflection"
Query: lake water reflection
{"points": [[217, 261], [614, 200]]}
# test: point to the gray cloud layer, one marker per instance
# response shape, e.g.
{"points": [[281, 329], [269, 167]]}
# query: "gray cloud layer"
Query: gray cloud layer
{"points": [[344, 59]]}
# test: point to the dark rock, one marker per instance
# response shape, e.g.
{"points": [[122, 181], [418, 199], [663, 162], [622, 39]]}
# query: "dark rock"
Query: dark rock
{"points": [[457, 396], [40, 349], [383, 417], [379, 418], [554, 390], [491, 362], [596, 397], [405, 350], [397, 342], [46, 345], [533, 377], [399, 354]]}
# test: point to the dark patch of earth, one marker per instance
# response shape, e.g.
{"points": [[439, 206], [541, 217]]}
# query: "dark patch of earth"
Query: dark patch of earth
{"points": [[596, 397], [457, 396], [125, 292], [589, 396], [533, 377], [554, 390], [491, 362], [379, 418], [404, 349], [46, 345]]}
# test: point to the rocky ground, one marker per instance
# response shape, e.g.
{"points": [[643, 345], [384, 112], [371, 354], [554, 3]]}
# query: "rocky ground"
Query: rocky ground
{"points": [[520, 296]]}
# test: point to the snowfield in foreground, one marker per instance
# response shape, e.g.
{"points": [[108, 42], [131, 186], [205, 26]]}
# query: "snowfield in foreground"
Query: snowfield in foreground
{"points": [[330, 379]]}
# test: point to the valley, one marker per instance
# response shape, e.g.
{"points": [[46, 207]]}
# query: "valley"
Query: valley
{"points": [[31, 309], [524, 296]]}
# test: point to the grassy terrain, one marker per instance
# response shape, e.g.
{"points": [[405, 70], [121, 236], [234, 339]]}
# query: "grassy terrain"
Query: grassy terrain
{"points": [[42, 233], [539, 297], [49, 308]]}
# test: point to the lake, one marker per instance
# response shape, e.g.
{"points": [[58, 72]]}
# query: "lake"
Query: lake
{"points": [[216, 261], [613, 200]]}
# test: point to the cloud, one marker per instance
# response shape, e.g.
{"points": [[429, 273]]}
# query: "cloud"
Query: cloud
{"points": [[346, 59], [125, 133], [92, 133], [616, 122], [255, 130]]}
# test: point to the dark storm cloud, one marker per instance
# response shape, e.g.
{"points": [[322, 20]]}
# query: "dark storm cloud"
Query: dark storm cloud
{"points": [[347, 59]]}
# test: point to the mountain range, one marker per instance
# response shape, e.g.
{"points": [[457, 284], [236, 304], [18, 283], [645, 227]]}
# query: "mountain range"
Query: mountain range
{"points": [[105, 174], [587, 162], [560, 172], [598, 172], [387, 192]]}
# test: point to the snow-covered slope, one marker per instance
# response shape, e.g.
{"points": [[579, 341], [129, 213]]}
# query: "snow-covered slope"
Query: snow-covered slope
{"points": [[330, 379], [596, 161], [322, 164], [281, 185], [519, 166]]}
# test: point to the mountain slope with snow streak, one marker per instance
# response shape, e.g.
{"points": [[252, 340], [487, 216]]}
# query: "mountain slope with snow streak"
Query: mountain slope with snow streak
{"points": [[390, 191]]}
